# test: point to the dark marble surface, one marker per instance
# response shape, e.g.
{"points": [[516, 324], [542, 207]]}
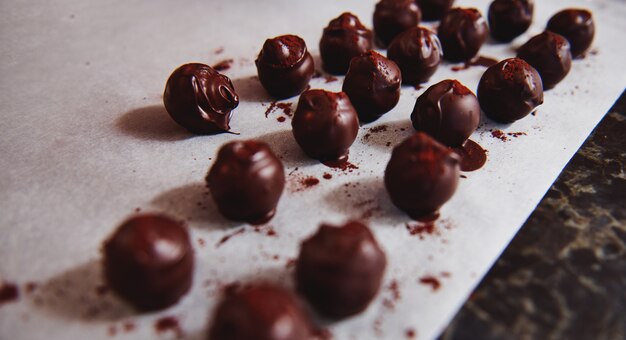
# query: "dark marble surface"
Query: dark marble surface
{"points": [[564, 274]]}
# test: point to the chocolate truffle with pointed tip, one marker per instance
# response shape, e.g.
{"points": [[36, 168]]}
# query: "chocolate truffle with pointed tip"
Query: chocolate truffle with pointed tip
{"points": [[549, 53], [462, 32], [261, 311], [343, 39], [246, 181], [200, 99], [392, 17], [509, 18], [447, 111], [285, 66], [577, 26], [373, 85], [510, 90], [340, 269], [325, 125], [418, 53], [434, 9], [421, 175], [149, 261]]}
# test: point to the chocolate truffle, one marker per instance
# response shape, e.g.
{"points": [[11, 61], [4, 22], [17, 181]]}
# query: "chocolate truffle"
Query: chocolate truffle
{"points": [[285, 66], [373, 85], [325, 124], [260, 312], [577, 26], [421, 175], [246, 181], [343, 39], [549, 53], [434, 9], [340, 269], [200, 99], [392, 17], [447, 111], [509, 18], [149, 261], [510, 90], [462, 32], [417, 51]]}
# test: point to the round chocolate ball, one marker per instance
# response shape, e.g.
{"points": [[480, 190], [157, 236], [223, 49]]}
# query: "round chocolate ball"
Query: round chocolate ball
{"points": [[418, 53], [434, 9], [340, 269], [343, 39], [246, 181], [448, 111], [421, 175], [285, 66], [261, 312], [149, 261], [373, 85], [325, 124], [392, 17], [510, 90], [462, 32], [200, 99], [549, 53], [509, 18], [577, 26]]}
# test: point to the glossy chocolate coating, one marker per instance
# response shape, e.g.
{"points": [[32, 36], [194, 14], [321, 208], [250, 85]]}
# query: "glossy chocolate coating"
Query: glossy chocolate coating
{"points": [[325, 124], [285, 66], [462, 32], [421, 175], [149, 261], [200, 99], [246, 181], [510, 18], [340, 269], [510, 90], [418, 53], [549, 53], [392, 17], [577, 26], [373, 85], [447, 111], [434, 9], [261, 312], [343, 39]]}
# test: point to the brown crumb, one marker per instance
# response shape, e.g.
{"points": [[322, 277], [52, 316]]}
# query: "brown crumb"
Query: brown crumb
{"points": [[223, 65], [167, 324], [8, 292], [431, 281]]}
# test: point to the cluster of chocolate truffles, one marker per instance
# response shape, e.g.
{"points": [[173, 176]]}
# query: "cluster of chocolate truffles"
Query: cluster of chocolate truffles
{"points": [[149, 259]]}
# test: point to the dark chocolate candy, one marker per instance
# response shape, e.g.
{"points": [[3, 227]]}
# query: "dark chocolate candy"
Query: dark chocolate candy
{"points": [[340, 269], [549, 53], [509, 18], [418, 53], [149, 261], [200, 99], [510, 90], [421, 175], [434, 9], [343, 39], [392, 17], [285, 66], [462, 32], [447, 111], [577, 26], [325, 124], [373, 85], [246, 181], [260, 312]]}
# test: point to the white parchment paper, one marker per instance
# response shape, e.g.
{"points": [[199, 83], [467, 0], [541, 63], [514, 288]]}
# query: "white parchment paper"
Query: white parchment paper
{"points": [[85, 141]]}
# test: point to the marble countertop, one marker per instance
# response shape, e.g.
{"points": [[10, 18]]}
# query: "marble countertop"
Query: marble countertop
{"points": [[564, 274]]}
